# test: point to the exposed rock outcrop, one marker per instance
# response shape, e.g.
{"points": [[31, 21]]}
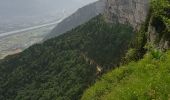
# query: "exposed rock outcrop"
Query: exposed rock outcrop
{"points": [[155, 38], [133, 12]]}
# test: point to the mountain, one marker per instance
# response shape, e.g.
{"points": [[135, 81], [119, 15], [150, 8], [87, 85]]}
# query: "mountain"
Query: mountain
{"points": [[110, 57], [126, 12], [63, 67], [133, 12], [81, 16], [146, 78]]}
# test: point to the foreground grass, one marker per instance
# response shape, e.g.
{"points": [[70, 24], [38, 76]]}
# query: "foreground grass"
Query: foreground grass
{"points": [[148, 79]]}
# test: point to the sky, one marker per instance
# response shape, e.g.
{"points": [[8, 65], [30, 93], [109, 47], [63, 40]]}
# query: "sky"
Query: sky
{"points": [[27, 7]]}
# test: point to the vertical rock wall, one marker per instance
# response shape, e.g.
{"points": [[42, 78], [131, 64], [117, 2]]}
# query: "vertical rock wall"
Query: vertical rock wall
{"points": [[133, 12]]}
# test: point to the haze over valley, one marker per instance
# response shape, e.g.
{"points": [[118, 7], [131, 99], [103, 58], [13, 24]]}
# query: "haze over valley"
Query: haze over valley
{"points": [[18, 14], [26, 22]]}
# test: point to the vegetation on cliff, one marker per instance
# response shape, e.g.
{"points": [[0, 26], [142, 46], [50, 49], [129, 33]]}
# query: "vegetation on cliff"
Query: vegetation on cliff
{"points": [[160, 19], [148, 78]]}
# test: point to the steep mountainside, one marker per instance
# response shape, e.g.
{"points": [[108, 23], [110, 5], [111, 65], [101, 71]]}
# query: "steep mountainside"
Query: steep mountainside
{"points": [[133, 12], [81, 16], [148, 78], [63, 67]]}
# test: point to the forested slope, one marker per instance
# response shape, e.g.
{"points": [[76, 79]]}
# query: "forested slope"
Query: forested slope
{"points": [[57, 68]]}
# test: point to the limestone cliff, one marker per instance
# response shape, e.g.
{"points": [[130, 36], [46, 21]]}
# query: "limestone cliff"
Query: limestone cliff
{"points": [[133, 12], [159, 24]]}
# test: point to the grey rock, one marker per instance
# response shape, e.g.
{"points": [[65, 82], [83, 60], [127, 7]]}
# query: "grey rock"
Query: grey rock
{"points": [[133, 12]]}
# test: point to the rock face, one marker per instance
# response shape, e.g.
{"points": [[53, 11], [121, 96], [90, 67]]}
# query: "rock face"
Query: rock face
{"points": [[161, 42], [133, 12], [81, 16]]}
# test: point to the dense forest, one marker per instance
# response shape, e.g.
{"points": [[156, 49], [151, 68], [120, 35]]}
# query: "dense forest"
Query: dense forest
{"points": [[63, 67]]}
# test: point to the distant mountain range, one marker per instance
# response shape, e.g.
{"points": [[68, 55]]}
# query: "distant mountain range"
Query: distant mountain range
{"points": [[81, 16]]}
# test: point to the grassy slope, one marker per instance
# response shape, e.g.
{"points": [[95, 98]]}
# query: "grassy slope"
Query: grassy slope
{"points": [[144, 80], [56, 69]]}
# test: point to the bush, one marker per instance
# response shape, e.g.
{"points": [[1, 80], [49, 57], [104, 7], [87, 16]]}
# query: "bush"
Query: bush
{"points": [[156, 54], [130, 56]]}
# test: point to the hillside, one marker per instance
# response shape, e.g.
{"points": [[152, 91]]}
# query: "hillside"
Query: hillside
{"points": [[117, 55], [81, 16], [63, 67], [148, 78]]}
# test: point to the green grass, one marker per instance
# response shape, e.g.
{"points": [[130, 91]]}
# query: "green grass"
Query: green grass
{"points": [[148, 79]]}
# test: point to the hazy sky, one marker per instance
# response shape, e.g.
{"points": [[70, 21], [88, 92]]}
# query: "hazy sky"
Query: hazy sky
{"points": [[22, 7]]}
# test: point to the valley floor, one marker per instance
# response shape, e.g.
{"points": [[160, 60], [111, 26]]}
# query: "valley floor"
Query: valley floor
{"points": [[16, 43]]}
